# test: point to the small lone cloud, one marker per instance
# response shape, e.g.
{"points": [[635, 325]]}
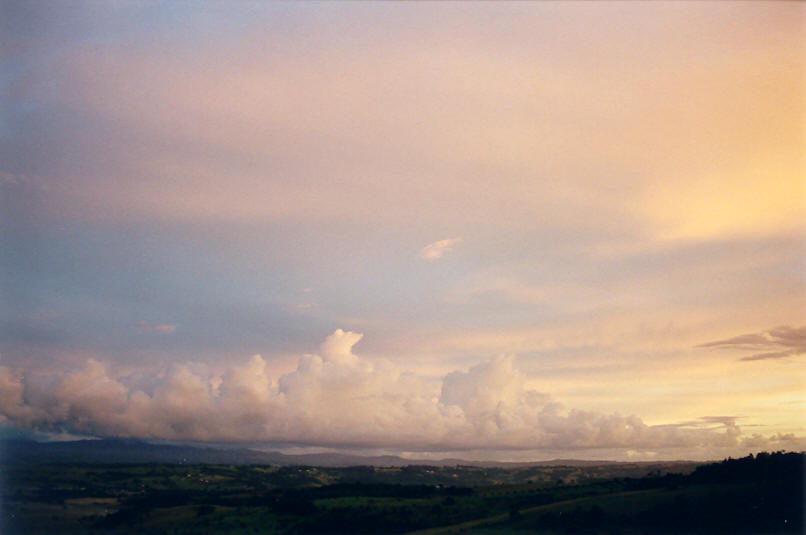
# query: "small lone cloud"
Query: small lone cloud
{"points": [[728, 421], [777, 343], [436, 250], [11, 178], [299, 308], [705, 421], [20, 180], [163, 328]]}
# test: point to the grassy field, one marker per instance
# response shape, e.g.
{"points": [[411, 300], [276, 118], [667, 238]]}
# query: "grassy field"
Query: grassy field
{"points": [[739, 496], [617, 504]]}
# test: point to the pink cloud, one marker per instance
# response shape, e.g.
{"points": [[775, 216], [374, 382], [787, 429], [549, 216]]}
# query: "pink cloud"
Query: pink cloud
{"points": [[342, 399]]}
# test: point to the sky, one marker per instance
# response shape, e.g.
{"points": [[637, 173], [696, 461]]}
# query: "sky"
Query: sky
{"points": [[510, 231]]}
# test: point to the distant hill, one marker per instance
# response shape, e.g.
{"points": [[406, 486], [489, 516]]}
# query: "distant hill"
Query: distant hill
{"points": [[116, 451]]}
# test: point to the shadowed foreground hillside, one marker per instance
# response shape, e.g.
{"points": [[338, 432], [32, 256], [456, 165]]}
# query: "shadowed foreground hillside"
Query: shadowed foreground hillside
{"points": [[755, 494]]}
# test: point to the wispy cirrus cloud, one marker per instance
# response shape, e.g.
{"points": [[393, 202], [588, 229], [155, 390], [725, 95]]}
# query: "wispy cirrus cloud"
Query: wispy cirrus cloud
{"points": [[437, 249], [164, 328], [780, 342]]}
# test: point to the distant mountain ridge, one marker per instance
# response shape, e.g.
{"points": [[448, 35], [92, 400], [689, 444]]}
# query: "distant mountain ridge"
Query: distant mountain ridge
{"points": [[117, 451]]}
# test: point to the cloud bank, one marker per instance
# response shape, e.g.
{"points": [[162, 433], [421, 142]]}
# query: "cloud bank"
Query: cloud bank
{"points": [[338, 399]]}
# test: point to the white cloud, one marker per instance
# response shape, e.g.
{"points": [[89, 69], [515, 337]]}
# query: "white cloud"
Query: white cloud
{"points": [[340, 399], [437, 249], [338, 347]]}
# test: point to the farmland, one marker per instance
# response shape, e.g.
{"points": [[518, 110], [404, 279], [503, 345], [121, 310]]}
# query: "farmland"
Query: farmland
{"points": [[762, 494]]}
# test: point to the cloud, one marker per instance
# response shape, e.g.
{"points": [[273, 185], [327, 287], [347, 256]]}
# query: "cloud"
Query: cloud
{"points": [[462, 106], [774, 355], [11, 178], [338, 347], [338, 399], [436, 250], [19, 179], [780, 342], [163, 328]]}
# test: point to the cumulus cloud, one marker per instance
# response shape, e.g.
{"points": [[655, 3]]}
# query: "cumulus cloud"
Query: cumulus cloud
{"points": [[338, 347], [780, 342], [163, 328], [437, 249], [337, 398]]}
